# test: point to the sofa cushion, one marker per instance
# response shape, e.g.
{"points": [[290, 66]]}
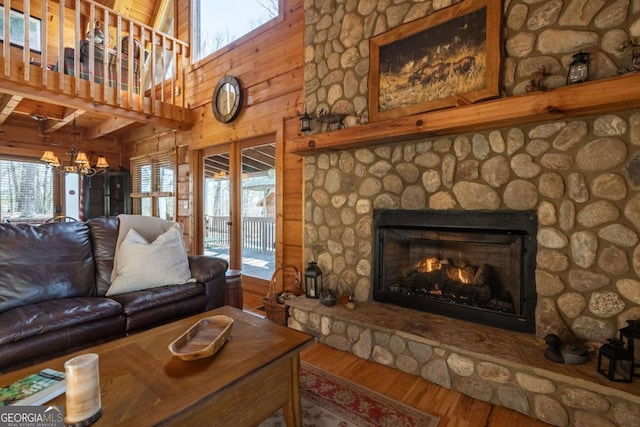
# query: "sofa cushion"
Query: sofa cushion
{"points": [[143, 265], [41, 318], [41, 347], [43, 263], [134, 302], [152, 307], [104, 233]]}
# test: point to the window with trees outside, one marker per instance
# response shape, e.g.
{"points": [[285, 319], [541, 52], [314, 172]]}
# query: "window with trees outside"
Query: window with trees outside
{"points": [[26, 191], [153, 185], [215, 24]]}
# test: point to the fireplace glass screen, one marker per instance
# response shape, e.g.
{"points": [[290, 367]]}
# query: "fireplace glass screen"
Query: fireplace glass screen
{"points": [[457, 266]]}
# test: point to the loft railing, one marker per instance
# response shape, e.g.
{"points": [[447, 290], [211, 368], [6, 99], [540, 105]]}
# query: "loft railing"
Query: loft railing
{"points": [[61, 43]]}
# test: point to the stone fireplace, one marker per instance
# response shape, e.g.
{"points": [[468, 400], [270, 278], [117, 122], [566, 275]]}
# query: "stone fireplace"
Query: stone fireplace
{"points": [[471, 265], [580, 176]]}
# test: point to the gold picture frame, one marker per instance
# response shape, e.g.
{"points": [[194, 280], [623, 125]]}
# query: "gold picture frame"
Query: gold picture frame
{"points": [[446, 59]]}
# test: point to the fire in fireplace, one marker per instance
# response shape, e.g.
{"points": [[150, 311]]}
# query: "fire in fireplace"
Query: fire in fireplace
{"points": [[476, 266]]}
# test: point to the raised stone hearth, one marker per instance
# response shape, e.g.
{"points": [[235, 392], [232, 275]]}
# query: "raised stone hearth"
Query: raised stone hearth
{"points": [[502, 367]]}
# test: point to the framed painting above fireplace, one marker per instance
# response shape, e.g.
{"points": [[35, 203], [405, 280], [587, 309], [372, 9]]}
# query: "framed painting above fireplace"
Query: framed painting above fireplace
{"points": [[446, 59]]}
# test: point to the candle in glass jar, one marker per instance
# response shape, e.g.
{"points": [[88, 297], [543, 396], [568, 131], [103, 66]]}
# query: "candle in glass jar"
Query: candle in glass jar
{"points": [[83, 390]]}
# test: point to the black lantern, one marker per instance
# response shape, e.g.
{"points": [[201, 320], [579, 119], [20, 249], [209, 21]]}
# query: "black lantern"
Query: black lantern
{"points": [[578, 69], [618, 361], [305, 122], [630, 336], [313, 280]]}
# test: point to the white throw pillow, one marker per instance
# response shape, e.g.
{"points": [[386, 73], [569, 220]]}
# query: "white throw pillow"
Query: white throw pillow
{"points": [[144, 265], [149, 227]]}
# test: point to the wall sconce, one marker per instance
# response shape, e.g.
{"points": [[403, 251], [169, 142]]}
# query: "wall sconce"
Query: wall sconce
{"points": [[578, 68], [313, 280], [305, 121], [618, 362]]}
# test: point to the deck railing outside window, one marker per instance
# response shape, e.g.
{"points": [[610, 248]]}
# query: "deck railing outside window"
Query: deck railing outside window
{"points": [[258, 233]]}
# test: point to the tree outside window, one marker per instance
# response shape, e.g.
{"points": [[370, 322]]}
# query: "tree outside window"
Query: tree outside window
{"points": [[217, 23], [26, 191]]}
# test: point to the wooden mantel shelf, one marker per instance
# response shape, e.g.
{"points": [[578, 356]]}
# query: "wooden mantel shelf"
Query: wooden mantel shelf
{"points": [[597, 97]]}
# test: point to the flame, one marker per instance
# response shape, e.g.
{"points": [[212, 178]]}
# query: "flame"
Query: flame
{"points": [[462, 274], [428, 265]]}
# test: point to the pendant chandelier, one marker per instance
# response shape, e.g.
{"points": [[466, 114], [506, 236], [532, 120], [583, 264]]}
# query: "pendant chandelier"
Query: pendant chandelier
{"points": [[78, 160]]}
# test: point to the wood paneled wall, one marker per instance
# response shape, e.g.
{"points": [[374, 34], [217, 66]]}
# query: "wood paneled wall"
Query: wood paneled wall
{"points": [[270, 67]]}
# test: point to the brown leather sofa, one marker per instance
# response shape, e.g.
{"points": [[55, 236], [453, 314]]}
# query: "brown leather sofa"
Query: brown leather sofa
{"points": [[53, 280]]}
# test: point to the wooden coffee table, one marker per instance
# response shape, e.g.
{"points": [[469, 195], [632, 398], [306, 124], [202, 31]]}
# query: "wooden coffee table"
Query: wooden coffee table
{"points": [[253, 375]]}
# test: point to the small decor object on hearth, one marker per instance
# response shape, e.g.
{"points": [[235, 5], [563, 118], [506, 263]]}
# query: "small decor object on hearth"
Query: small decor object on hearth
{"points": [[578, 68], [328, 298], [615, 362], [630, 336], [569, 353], [351, 302], [285, 284], [312, 280]]}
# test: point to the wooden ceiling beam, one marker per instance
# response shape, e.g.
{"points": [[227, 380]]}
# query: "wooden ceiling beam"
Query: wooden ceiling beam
{"points": [[108, 126], [159, 11], [28, 107], [143, 132], [88, 105], [69, 116], [8, 103]]}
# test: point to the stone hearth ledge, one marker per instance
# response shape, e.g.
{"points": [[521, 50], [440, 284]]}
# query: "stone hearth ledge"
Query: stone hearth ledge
{"points": [[502, 367]]}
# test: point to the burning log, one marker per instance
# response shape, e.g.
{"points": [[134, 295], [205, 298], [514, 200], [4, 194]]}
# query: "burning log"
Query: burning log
{"points": [[481, 280], [440, 278], [482, 275]]}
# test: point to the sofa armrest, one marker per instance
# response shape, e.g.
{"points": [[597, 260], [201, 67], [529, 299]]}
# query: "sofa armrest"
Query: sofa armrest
{"points": [[205, 268], [210, 271]]}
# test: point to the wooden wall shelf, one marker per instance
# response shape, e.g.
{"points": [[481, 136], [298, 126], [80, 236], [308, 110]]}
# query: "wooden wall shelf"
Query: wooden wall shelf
{"points": [[591, 98]]}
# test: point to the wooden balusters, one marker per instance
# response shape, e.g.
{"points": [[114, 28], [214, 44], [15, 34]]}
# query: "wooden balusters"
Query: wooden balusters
{"points": [[144, 74], [6, 47]]}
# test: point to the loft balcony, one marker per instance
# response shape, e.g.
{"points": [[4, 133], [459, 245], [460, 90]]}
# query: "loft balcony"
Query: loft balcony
{"points": [[76, 54]]}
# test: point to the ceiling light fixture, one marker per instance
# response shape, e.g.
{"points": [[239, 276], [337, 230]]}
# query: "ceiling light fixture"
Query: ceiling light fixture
{"points": [[78, 160]]}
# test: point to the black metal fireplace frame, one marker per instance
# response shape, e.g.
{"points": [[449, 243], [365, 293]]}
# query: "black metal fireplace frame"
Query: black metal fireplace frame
{"points": [[521, 223]]}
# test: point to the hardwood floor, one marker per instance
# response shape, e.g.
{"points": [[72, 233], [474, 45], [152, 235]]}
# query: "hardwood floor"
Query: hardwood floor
{"points": [[454, 408]]}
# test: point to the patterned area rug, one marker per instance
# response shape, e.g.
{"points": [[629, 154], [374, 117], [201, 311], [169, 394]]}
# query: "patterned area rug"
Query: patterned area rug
{"points": [[331, 401]]}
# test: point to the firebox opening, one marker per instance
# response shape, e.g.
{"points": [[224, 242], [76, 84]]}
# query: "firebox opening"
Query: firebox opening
{"points": [[477, 266]]}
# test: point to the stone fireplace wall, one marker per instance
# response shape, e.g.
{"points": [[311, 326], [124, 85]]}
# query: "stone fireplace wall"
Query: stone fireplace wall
{"points": [[581, 175]]}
